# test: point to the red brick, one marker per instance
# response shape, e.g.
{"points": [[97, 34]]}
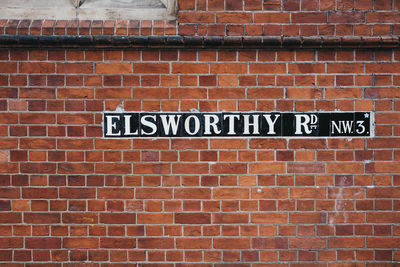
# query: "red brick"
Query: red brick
{"points": [[156, 243], [79, 218], [231, 243], [381, 217], [11, 217], [344, 168], [345, 68], [228, 17], [118, 218], [74, 144], [346, 242], [188, 93], [307, 243], [339, 143], [42, 243], [71, 168], [5, 205], [274, 218], [347, 17], [189, 144], [230, 193], [193, 243], [36, 67], [127, 243], [189, 168], [311, 193], [309, 17], [115, 193], [308, 217], [269, 193], [151, 68], [74, 68], [268, 144], [8, 67], [332, 93], [38, 118], [267, 167], [42, 218], [118, 68], [306, 168], [196, 17], [192, 193], [113, 168], [271, 17], [383, 192], [155, 218], [11, 242], [270, 243], [228, 168], [151, 168], [193, 218], [74, 93]]}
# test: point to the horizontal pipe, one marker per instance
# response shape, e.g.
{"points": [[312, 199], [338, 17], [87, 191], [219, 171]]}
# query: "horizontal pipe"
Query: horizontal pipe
{"points": [[174, 41]]}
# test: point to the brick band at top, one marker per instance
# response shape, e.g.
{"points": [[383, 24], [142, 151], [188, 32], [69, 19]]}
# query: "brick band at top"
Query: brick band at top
{"points": [[237, 124]]}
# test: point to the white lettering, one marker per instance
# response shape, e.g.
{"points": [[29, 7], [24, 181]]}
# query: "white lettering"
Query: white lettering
{"points": [[231, 123], [196, 125], [112, 125], [342, 127], [301, 122], [150, 124], [360, 127], [334, 125], [254, 124], [208, 124], [271, 123], [128, 126], [347, 125], [170, 123]]}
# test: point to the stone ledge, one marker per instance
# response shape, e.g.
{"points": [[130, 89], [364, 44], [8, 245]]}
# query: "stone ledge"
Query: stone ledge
{"points": [[92, 10], [175, 41]]}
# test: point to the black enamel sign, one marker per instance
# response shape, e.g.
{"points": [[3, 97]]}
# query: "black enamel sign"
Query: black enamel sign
{"points": [[236, 124]]}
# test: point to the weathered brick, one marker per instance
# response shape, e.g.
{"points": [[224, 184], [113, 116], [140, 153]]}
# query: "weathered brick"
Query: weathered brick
{"points": [[71, 197], [269, 218], [153, 193], [346, 242], [231, 243], [193, 243], [156, 243], [11, 242], [192, 193], [270, 243], [115, 193], [42, 218], [42, 243], [118, 218], [155, 218], [127, 243], [84, 243], [80, 218], [193, 218], [113, 68], [316, 243]]}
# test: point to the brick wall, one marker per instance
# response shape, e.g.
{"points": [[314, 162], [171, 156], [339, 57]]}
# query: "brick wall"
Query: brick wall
{"points": [[69, 197], [289, 17]]}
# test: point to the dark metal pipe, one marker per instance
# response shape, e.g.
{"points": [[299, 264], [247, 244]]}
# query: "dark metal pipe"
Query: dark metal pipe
{"points": [[247, 42]]}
